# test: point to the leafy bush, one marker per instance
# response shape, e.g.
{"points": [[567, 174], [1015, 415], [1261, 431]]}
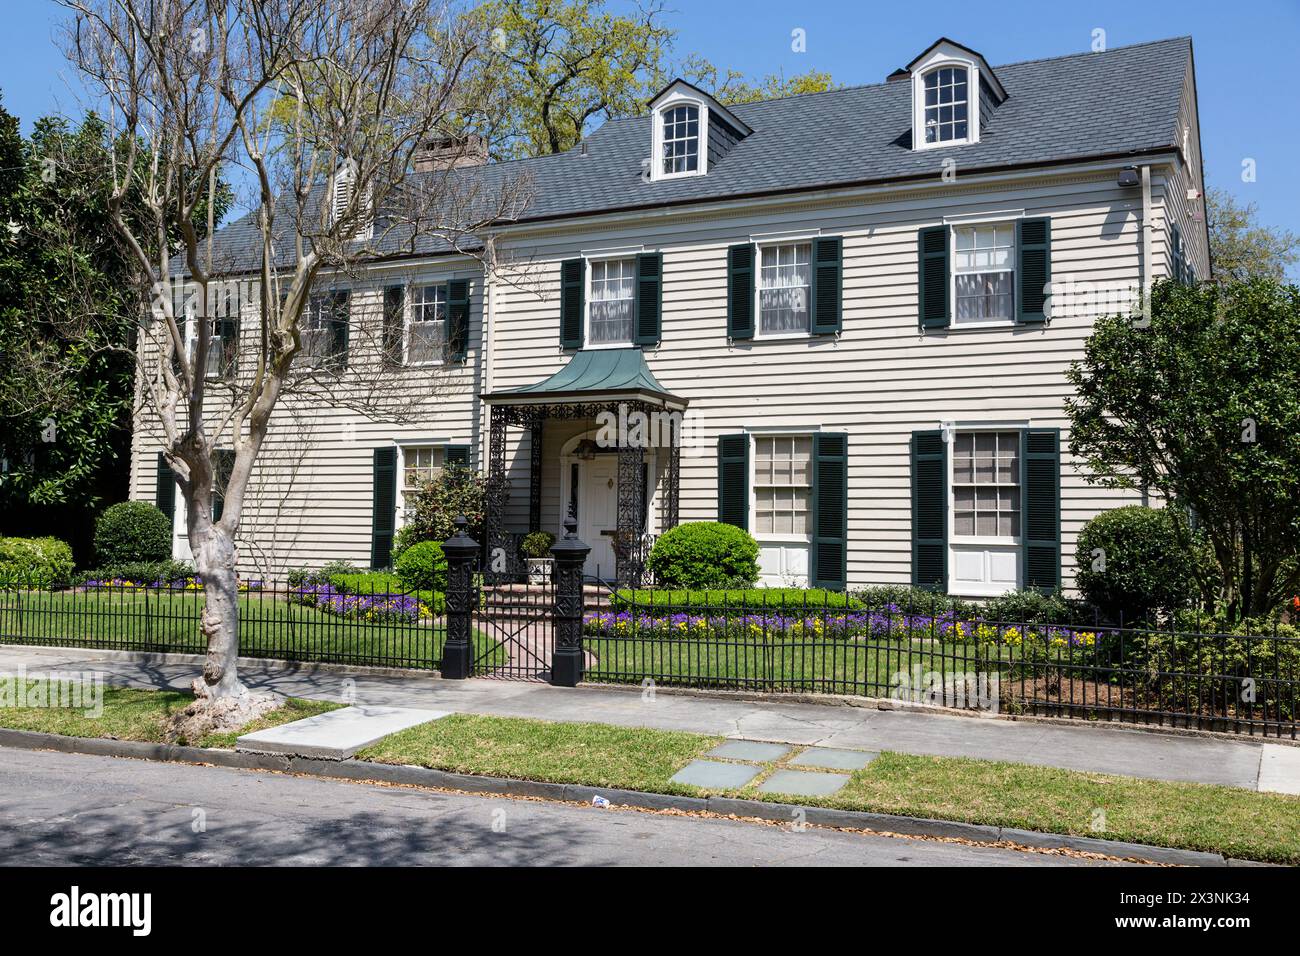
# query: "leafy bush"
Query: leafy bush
{"points": [[736, 601], [35, 562], [537, 544], [306, 577], [147, 572], [1145, 572], [911, 599], [132, 531], [385, 584], [432, 509], [701, 555], [1034, 607], [423, 567]]}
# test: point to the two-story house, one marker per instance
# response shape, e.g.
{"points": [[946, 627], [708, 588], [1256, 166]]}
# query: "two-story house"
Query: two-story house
{"points": [[845, 317]]}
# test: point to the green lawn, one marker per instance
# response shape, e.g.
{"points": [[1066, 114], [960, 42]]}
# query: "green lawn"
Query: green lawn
{"points": [[131, 714], [774, 662], [1240, 823], [169, 621]]}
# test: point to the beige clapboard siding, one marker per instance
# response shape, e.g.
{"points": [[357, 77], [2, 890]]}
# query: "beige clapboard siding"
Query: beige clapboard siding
{"points": [[880, 381], [310, 495]]}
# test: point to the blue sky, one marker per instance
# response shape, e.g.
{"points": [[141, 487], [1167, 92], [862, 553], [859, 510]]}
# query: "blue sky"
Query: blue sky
{"points": [[1245, 60]]}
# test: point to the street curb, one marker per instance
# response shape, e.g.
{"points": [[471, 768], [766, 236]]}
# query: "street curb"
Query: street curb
{"points": [[405, 775]]}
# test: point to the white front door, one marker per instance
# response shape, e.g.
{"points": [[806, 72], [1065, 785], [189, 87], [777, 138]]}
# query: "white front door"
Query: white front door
{"points": [[598, 512]]}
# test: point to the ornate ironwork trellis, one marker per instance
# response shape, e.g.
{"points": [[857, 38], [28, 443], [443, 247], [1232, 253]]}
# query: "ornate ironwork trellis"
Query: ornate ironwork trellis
{"points": [[630, 541]]}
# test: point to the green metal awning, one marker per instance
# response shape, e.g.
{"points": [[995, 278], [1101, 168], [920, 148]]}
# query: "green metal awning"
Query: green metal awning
{"points": [[595, 375]]}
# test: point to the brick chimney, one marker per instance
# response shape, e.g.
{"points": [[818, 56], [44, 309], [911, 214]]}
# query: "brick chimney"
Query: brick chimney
{"points": [[451, 152]]}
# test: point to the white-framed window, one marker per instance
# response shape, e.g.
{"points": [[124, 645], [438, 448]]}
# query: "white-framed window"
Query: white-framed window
{"points": [[426, 324], [420, 464], [784, 288], [611, 309], [947, 105], [983, 273], [986, 486], [317, 328], [782, 486], [679, 141]]}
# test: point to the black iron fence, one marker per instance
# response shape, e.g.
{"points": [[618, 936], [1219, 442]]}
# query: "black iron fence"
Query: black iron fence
{"points": [[778, 641], [789, 642], [368, 624]]}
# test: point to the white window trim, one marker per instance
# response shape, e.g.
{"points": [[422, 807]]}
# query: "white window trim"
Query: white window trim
{"points": [[950, 429], [759, 245], [402, 445], [937, 61], [408, 318], [657, 138], [607, 256], [776, 431], [953, 324]]}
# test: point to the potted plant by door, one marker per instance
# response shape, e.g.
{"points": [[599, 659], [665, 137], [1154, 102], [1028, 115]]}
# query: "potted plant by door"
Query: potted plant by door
{"points": [[537, 549]]}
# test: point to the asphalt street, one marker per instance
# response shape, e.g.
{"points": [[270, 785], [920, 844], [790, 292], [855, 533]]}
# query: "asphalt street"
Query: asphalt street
{"points": [[72, 809]]}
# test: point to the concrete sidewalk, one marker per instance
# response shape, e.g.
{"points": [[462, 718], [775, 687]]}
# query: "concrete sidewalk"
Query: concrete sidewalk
{"points": [[1130, 752]]}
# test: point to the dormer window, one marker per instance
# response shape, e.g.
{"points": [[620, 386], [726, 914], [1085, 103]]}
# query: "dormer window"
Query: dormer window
{"points": [[680, 139], [342, 189], [953, 91], [947, 102], [690, 132]]}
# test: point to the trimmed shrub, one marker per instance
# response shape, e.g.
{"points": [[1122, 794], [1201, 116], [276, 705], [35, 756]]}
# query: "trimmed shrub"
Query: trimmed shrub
{"points": [[144, 572], [381, 583], [913, 600], [736, 601], [35, 562], [132, 531], [423, 567], [702, 555], [1145, 570], [308, 577], [1034, 607], [537, 544]]}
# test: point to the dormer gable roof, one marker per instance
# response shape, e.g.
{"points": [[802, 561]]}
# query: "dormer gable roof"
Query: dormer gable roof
{"points": [[679, 88], [944, 48]]}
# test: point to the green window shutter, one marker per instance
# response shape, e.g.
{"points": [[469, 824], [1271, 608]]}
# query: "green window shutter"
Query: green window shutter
{"points": [[165, 494], [830, 493], [740, 292], [457, 455], [228, 335], [457, 320], [1176, 246], [223, 460], [1040, 506], [383, 508], [733, 480], [827, 281], [394, 319], [1034, 254], [932, 277], [649, 298], [573, 277], [929, 510], [339, 323]]}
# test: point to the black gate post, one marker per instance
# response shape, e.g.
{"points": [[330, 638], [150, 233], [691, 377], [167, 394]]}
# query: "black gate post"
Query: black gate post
{"points": [[458, 651], [570, 554]]}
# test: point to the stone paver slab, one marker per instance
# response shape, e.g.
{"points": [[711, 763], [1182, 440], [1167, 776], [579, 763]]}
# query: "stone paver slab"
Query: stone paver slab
{"points": [[338, 734], [751, 750], [834, 758], [1279, 769], [715, 775], [803, 783]]}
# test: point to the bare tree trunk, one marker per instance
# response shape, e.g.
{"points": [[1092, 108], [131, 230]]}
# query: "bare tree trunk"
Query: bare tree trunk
{"points": [[214, 557]]}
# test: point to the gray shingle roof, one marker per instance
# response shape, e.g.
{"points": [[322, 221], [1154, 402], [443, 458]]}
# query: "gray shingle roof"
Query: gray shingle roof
{"points": [[1116, 102]]}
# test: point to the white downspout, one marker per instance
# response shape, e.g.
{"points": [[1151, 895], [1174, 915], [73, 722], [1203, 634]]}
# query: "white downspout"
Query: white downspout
{"points": [[489, 342], [1145, 271]]}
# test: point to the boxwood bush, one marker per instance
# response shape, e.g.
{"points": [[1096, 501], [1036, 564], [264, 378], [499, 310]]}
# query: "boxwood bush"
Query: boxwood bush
{"points": [[35, 562], [735, 601], [702, 555], [132, 531], [1146, 572], [423, 567]]}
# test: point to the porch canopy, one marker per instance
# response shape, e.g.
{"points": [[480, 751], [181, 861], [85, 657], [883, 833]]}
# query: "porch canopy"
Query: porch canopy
{"points": [[594, 382]]}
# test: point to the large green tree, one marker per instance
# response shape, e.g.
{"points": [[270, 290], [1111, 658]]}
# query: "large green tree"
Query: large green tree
{"points": [[69, 309], [1240, 246], [1202, 406], [559, 68]]}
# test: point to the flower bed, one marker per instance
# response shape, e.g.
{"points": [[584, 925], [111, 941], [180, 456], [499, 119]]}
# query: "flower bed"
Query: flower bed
{"points": [[373, 608], [180, 584], [890, 623]]}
